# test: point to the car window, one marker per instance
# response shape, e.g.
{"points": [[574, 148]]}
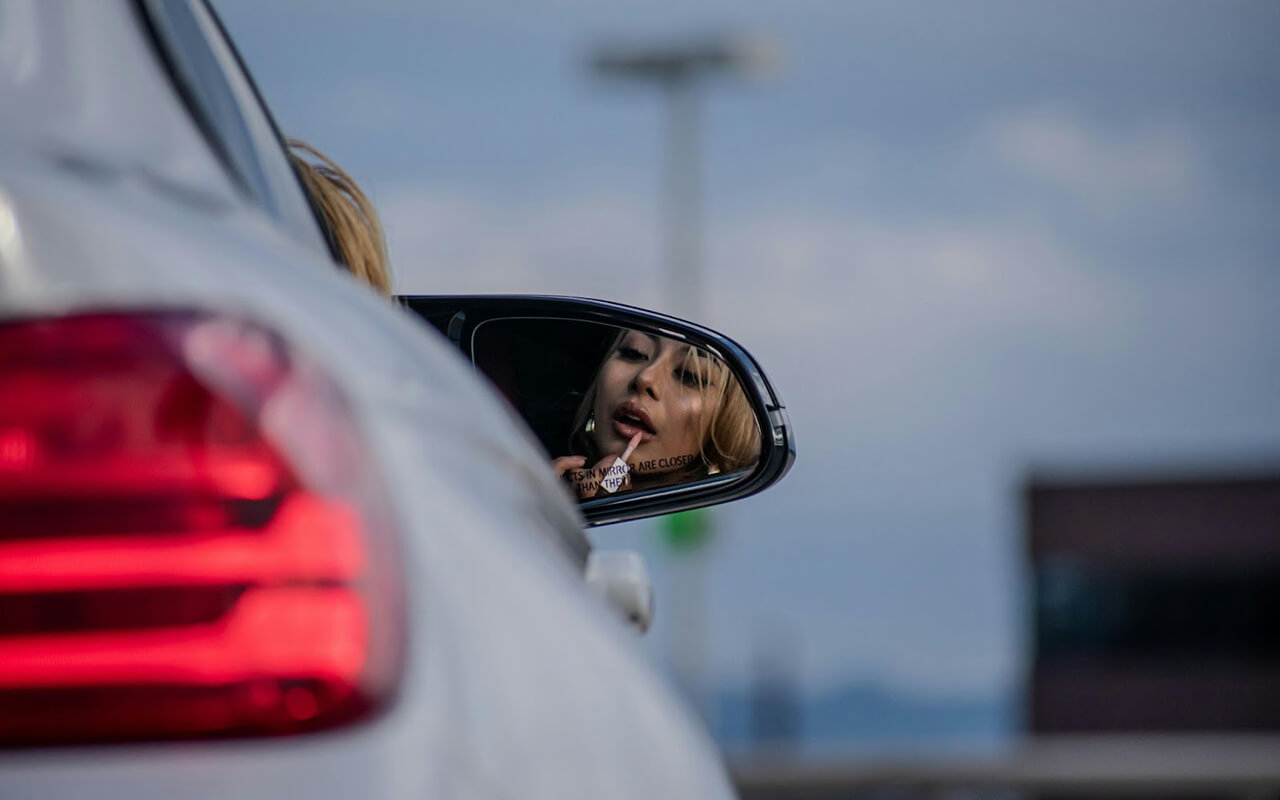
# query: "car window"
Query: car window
{"points": [[218, 91]]}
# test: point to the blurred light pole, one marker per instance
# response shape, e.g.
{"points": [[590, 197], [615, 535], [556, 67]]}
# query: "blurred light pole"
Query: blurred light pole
{"points": [[679, 68]]}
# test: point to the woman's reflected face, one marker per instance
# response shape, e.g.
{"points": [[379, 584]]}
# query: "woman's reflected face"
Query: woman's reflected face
{"points": [[654, 386]]}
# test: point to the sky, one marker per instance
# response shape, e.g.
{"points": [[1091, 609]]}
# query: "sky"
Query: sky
{"points": [[966, 241]]}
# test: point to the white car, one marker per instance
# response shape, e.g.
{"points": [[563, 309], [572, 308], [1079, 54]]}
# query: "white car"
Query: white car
{"points": [[263, 533]]}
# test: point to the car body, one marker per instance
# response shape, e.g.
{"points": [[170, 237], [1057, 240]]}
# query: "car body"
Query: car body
{"points": [[140, 174]]}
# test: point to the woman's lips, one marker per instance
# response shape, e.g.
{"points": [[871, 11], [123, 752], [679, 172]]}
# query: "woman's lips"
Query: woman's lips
{"points": [[626, 430], [630, 419]]}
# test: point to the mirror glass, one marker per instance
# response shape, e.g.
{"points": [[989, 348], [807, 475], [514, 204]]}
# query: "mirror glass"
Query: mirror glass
{"points": [[620, 410]]}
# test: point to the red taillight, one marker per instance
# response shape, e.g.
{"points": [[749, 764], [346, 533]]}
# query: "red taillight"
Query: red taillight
{"points": [[192, 541]]}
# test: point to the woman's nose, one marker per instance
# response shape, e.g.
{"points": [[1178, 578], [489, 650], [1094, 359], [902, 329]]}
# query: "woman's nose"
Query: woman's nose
{"points": [[647, 380]]}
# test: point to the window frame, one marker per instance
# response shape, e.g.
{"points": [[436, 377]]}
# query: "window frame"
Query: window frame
{"points": [[214, 85]]}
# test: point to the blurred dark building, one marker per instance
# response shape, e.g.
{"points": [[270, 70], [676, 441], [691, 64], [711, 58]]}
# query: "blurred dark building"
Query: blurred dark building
{"points": [[1156, 605]]}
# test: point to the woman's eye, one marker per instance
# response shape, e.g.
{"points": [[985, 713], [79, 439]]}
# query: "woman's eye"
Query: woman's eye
{"points": [[630, 354], [690, 378]]}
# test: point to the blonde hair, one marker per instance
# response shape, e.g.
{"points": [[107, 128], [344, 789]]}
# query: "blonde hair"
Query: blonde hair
{"points": [[732, 441], [349, 216]]}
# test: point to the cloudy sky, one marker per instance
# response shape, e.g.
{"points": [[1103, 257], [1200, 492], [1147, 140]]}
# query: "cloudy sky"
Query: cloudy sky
{"points": [[966, 240]]}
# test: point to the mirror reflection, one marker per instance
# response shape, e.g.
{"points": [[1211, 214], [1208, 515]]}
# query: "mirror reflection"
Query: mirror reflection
{"points": [[620, 410]]}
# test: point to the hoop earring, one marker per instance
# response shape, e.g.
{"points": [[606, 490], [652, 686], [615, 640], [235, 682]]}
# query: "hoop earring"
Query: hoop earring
{"points": [[590, 427]]}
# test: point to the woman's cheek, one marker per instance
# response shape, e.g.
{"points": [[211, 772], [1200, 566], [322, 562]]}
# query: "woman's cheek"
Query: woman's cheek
{"points": [[693, 414]]}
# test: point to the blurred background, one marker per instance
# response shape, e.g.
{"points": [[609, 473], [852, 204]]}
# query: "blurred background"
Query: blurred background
{"points": [[996, 255]]}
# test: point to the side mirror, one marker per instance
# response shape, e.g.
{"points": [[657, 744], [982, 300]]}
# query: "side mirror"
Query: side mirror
{"points": [[622, 579], [641, 414]]}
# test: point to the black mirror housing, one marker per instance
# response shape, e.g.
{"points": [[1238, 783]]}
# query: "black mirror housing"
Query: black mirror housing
{"points": [[549, 357]]}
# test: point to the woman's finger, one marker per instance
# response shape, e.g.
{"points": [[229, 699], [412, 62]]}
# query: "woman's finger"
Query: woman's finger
{"points": [[565, 463], [587, 482]]}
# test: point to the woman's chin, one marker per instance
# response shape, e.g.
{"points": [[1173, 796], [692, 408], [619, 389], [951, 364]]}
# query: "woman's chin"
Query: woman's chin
{"points": [[608, 442]]}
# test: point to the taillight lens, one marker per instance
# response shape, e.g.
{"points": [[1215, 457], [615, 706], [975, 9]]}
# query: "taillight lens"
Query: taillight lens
{"points": [[193, 542]]}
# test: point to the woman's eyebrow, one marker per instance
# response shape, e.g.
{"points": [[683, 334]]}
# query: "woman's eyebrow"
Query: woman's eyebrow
{"points": [[629, 340]]}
